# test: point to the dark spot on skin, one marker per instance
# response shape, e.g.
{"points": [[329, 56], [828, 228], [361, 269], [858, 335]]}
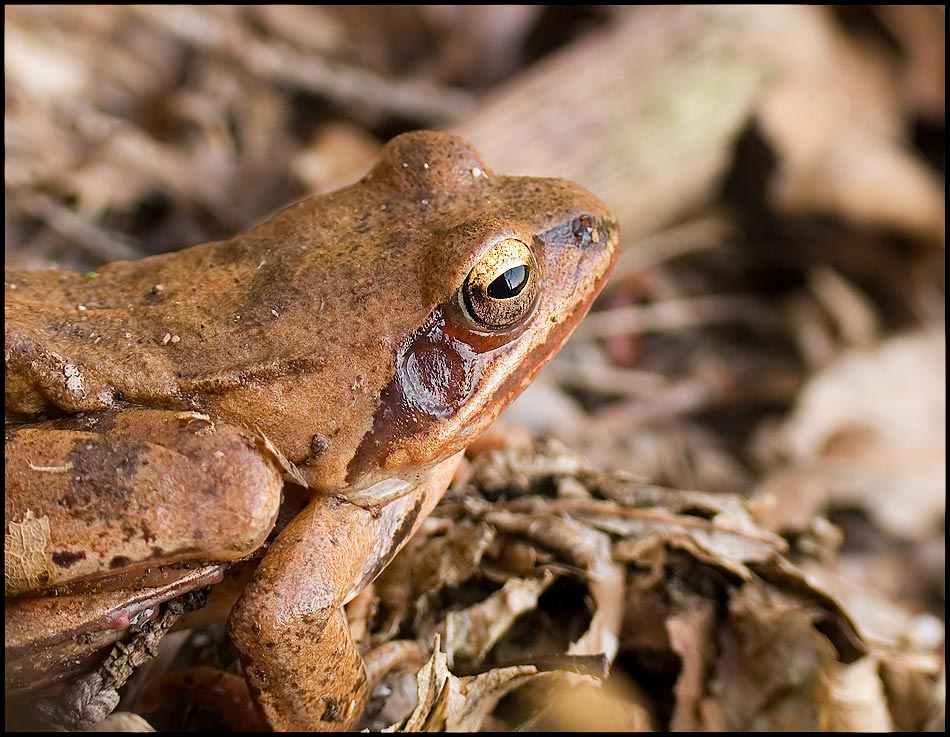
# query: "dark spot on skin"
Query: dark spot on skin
{"points": [[310, 618], [120, 561], [102, 479], [147, 534], [157, 552], [273, 286], [64, 559], [68, 329], [332, 711], [399, 241], [129, 531]]}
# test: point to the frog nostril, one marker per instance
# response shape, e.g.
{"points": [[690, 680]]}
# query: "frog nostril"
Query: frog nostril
{"points": [[588, 231]]}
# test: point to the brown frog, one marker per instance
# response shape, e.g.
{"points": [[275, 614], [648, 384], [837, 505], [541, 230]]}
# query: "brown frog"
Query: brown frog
{"points": [[354, 343]]}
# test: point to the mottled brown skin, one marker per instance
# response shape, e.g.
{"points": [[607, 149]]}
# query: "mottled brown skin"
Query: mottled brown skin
{"points": [[334, 337], [140, 478]]}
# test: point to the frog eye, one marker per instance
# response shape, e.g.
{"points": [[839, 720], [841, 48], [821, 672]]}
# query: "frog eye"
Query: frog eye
{"points": [[502, 288]]}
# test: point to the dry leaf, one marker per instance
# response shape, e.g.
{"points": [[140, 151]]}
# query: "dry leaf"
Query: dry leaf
{"points": [[28, 558], [771, 663], [470, 633], [916, 690], [449, 703], [691, 631], [871, 428], [473, 698], [854, 699], [831, 114], [860, 583], [121, 721], [589, 550]]}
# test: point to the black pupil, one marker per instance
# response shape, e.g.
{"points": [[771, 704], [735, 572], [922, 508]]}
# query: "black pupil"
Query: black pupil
{"points": [[509, 284]]}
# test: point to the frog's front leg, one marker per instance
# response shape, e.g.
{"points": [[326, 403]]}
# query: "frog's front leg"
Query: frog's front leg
{"points": [[300, 663], [112, 492]]}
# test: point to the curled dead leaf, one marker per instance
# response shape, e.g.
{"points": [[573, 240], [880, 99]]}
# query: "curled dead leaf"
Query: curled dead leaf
{"points": [[28, 559], [870, 431]]}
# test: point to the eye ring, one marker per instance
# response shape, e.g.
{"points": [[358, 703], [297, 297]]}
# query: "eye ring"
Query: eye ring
{"points": [[502, 288]]}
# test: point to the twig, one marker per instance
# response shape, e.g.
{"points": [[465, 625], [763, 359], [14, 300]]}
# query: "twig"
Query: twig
{"points": [[277, 61], [690, 237], [92, 698], [673, 314], [605, 379], [91, 238], [850, 308]]}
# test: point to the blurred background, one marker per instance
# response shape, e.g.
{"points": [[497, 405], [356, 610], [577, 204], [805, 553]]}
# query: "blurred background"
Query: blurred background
{"points": [[775, 326]]}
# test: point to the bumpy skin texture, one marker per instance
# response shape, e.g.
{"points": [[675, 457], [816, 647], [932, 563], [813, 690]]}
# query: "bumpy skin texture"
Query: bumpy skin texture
{"points": [[332, 336]]}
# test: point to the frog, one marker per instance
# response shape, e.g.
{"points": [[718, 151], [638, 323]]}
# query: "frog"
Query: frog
{"points": [[349, 348]]}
